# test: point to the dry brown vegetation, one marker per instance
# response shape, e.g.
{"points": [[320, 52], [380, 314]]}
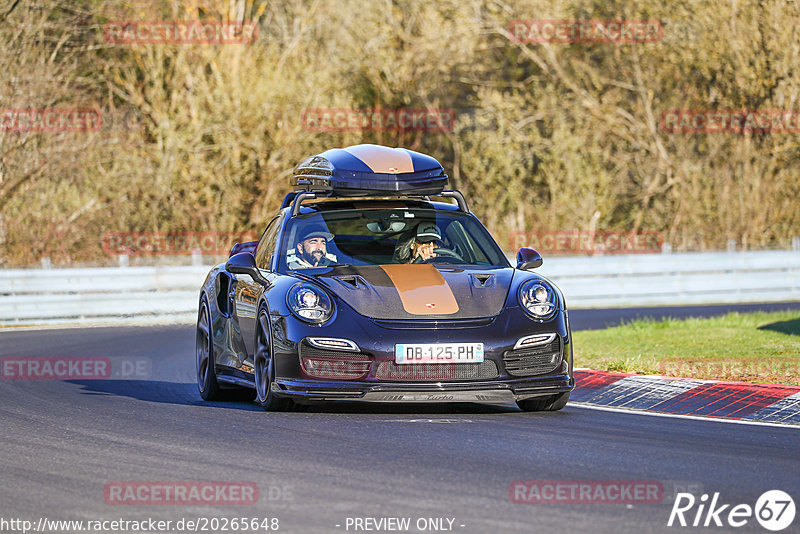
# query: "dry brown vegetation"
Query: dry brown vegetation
{"points": [[553, 136]]}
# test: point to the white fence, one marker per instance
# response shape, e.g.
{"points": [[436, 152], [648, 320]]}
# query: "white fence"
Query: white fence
{"points": [[85, 295]]}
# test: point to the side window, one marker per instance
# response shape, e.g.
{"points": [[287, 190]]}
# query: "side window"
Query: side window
{"points": [[464, 245], [266, 247]]}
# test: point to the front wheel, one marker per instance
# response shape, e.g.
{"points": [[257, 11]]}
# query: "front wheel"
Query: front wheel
{"points": [[543, 404], [204, 348], [264, 368]]}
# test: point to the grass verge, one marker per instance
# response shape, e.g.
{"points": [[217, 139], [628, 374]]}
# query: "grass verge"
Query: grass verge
{"points": [[749, 347]]}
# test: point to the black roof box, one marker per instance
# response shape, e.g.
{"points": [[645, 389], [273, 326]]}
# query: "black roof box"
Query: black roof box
{"points": [[370, 170]]}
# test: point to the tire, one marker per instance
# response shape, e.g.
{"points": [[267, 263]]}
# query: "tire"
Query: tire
{"points": [[264, 366], [204, 348], [542, 404]]}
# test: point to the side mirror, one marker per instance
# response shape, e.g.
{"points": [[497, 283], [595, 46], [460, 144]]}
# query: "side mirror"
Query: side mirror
{"points": [[247, 246], [245, 263], [527, 258]]}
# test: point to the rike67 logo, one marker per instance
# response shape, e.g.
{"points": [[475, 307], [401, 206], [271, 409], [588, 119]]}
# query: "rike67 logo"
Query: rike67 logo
{"points": [[774, 510]]}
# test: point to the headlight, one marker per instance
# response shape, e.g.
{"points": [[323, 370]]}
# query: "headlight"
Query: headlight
{"points": [[309, 303], [538, 299]]}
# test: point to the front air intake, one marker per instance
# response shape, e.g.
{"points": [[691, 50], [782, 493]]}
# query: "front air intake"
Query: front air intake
{"points": [[333, 365], [531, 361], [435, 372]]}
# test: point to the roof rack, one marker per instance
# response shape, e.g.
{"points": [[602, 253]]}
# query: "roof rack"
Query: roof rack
{"points": [[298, 199], [295, 199], [369, 171], [456, 194]]}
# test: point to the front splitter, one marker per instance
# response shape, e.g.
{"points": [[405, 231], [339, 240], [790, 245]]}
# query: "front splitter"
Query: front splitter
{"points": [[500, 396], [490, 394]]}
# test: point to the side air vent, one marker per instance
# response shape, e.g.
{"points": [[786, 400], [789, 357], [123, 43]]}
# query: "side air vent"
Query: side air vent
{"points": [[482, 280], [222, 286]]}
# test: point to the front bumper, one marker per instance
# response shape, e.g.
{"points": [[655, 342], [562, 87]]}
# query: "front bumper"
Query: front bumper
{"points": [[495, 391], [376, 341]]}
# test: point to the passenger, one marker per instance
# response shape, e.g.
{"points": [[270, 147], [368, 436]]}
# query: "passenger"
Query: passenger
{"points": [[416, 247], [312, 249]]}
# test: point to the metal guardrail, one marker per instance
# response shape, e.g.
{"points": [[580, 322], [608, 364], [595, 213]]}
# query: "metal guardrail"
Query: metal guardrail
{"points": [[676, 279], [29, 296], [86, 295]]}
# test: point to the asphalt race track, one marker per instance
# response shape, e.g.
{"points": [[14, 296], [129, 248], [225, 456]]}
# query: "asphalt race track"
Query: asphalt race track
{"points": [[64, 441]]}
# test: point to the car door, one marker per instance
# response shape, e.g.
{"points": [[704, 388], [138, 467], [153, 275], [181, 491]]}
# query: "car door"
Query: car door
{"points": [[248, 290]]}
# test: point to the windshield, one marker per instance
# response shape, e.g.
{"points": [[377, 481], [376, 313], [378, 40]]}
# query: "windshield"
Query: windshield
{"points": [[384, 236]]}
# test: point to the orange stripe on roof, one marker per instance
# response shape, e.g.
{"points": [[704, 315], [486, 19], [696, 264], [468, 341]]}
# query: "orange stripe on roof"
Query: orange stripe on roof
{"points": [[383, 159], [422, 289]]}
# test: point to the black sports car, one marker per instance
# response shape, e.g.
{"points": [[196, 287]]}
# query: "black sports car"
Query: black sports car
{"points": [[364, 288]]}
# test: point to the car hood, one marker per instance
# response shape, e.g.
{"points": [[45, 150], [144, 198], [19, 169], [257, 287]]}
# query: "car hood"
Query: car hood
{"points": [[420, 291]]}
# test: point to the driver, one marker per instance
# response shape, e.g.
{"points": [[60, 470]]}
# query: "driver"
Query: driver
{"points": [[420, 246], [312, 249]]}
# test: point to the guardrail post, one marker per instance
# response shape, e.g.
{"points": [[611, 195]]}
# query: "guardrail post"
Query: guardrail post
{"points": [[46, 263], [666, 248], [796, 244], [731, 245], [197, 257], [123, 260]]}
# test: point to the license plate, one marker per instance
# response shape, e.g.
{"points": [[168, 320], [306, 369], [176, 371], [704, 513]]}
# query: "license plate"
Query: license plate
{"points": [[438, 353]]}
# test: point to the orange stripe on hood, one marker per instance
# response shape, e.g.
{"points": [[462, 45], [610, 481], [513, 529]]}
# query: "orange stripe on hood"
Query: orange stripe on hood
{"points": [[422, 289]]}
